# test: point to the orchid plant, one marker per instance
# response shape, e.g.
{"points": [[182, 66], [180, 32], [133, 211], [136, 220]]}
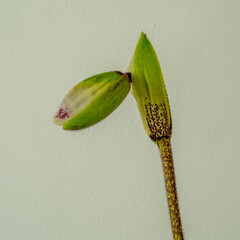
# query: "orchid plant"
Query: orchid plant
{"points": [[95, 98]]}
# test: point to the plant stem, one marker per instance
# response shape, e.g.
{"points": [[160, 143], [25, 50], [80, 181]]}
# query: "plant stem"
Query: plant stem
{"points": [[168, 169]]}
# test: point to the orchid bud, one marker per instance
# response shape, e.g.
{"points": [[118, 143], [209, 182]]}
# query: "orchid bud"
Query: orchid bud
{"points": [[92, 100]]}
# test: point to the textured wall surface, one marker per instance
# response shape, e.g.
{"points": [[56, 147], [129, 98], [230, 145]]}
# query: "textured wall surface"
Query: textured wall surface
{"points": [[106, 182]]}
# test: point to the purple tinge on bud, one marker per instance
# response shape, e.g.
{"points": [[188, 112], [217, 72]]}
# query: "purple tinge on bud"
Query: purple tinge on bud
{"points": [[62, 113]]}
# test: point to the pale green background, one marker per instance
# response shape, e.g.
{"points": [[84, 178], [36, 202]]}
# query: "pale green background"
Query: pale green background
{"points": [[106, 182]]}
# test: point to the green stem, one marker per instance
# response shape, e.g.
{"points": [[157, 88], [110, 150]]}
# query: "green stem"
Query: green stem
{"points": [[168, 169]]}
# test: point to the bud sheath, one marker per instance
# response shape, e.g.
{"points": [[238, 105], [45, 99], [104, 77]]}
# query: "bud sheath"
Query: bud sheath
{"points": [[149, 91]]}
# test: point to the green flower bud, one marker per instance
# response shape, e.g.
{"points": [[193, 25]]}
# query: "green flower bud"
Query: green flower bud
{"points": [[92, 100], [149, 91]]}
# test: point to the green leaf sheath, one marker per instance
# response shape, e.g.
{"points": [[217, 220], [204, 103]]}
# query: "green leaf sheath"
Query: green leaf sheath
{"points": [[149, 91], [171, 190], [92, 100]]}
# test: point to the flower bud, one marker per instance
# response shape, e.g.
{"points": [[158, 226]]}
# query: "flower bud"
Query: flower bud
{"points": [[92, 100]]}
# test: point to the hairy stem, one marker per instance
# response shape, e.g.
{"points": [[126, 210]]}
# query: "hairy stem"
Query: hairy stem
{"points": [[168, 169]]}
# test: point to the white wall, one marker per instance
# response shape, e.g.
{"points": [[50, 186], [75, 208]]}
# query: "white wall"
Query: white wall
{"points": [[106, 182]]}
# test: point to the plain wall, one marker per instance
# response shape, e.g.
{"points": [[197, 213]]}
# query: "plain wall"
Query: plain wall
{"points": [[106, 182]]}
